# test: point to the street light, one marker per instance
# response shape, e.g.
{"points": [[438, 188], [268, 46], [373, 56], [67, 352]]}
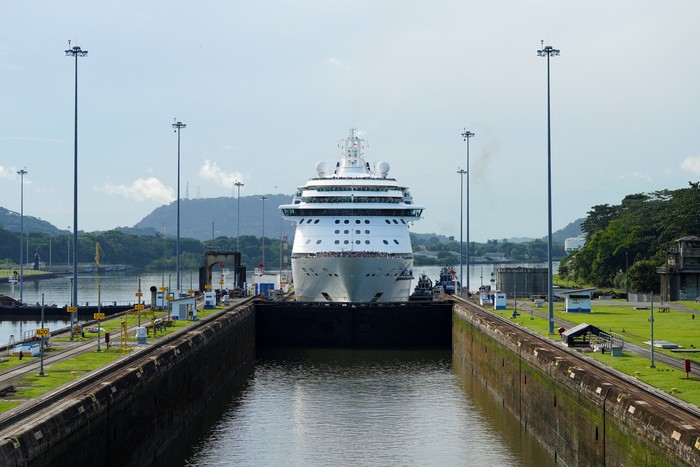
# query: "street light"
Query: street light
{"points": [[238, 215], [177, 127], [461, 173], [21, 173], [548, 51], [75, 52], [263, 198], [467, 135]]}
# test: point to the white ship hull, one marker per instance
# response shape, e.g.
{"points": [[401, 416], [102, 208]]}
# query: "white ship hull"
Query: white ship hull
{"points": [[352, 279]]}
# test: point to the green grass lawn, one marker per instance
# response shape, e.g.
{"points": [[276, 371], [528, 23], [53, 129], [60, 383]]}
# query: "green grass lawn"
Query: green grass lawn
{"points": [[676, 326]]}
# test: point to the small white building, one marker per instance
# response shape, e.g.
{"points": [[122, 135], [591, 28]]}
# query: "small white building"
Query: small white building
{"points": [[184, 308], [572, 244], [577, 301], [499, 301]]}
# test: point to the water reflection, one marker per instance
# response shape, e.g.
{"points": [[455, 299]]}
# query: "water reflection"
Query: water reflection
{"points": [[362, 407]]}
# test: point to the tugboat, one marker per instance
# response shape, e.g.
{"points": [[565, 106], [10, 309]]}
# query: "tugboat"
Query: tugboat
{"points": [[448, 281], [423, 289]]}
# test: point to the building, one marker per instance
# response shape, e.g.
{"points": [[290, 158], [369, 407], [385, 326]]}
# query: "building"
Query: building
{"points": [[521, 282], [680, 276], [577, 301], [572, 244]]}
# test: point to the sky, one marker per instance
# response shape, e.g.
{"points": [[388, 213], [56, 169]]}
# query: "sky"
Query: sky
{"points": [[267, 88]]}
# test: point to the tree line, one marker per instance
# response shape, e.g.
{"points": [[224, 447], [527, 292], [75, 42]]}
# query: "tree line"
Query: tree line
{"points": [[626, 243]]}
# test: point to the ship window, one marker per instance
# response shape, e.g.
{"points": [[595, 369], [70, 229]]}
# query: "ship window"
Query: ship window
{"points": [[367, 232], [337, 231], [357, 221], [395, 221], [387, 221], [358, 231], [366, 242], [385, 242], [403, 221], [319, 241], [301, 221], [308, 241], [346, 242], [337, 221], [357, 242], [346, 231], [337, 242], [366, 221], [316, 221], [395, 241], [309, 221], [346, 221]]}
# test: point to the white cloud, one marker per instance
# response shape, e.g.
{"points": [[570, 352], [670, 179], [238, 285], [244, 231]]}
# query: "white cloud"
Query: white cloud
{"points": [[149, 189], [691, 164], [211, 171], [337, 63], [5, 172]]}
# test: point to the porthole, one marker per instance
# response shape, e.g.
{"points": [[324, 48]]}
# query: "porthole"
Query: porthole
{"points": [[317, 221], [319, 241], [366, 242], [387, 221], [337, 231], [358, 231], [385, 242], [357, 242], [366, 221], [337, 221], [403, 221], [367, 232], [301, 221], [346, 231], [357, 221], [337, 242], [395, 221], [346, 241], [396, 241], [308, 241], [346, 221]]}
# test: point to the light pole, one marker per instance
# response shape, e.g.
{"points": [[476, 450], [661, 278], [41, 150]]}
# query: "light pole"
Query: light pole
{"points": [[75, 52], [547, 51], [467, 135], [461, 173], [263, 198], [238, 215], [177, 127], [69, 245], [21, 173]]}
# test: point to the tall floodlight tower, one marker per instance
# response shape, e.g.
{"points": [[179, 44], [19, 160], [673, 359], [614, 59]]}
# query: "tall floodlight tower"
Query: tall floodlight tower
{"points": [[177, 127], [548, 51], [21, 173], [461, 173], [75, 52], [263, 198], [238, 184], [467, 135]]}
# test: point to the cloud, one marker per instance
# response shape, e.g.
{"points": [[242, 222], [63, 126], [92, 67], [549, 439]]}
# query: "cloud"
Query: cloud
{"points": [[211, 171], [691, 164], [6, 172], [337, 63], [149, 189]]}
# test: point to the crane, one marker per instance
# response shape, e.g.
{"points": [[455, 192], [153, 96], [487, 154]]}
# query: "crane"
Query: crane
{"points": [[98, 249]]}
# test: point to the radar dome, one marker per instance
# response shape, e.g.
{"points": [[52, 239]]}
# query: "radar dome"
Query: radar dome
{"points": [[383, 168], [321, 168]]}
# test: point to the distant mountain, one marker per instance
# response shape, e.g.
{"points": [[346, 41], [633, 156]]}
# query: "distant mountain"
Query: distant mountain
{"points": [[200, 218], [11, 221]]}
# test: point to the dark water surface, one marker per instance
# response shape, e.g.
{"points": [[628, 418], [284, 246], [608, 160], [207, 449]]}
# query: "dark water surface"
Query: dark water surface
{"points": [[303, 407]]}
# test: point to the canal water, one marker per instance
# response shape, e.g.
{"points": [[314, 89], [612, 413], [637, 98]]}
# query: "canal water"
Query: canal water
{"points": [[357, 407]]}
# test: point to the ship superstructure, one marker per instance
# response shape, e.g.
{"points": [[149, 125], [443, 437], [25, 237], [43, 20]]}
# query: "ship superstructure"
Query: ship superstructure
{"points": [[352, 242]]}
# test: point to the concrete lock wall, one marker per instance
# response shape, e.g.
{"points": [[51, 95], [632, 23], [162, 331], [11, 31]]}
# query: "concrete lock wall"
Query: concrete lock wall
{"points": [[580, 415], [131, 418]]}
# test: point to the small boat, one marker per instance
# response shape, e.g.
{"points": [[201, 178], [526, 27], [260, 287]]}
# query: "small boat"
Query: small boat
{"points": [[423, 289], [448, 280]]}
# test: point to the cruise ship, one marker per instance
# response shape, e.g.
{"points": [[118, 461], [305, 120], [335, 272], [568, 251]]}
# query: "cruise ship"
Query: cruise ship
{"points": [[352, 242]]}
